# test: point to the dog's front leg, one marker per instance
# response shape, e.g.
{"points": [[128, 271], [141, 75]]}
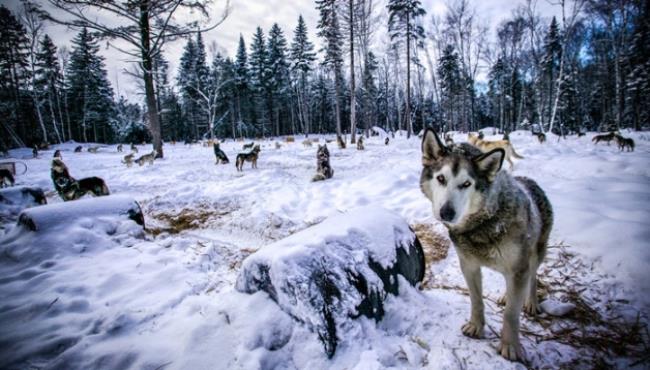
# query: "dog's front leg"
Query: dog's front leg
{"points": [[516, 284], [472, 273]]}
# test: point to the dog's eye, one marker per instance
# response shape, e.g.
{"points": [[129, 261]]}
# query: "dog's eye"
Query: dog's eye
{"points": [[465, 185], [441, 179]]}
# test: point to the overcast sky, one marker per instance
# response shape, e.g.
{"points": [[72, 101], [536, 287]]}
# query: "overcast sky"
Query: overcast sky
{"points": [[246, 15]]}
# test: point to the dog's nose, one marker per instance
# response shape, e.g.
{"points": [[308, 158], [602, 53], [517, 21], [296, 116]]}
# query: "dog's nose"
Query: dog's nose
{"points": [[447, 212]]}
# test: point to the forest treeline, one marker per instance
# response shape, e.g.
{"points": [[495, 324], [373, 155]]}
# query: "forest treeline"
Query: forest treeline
{"points": [[381, 63]]}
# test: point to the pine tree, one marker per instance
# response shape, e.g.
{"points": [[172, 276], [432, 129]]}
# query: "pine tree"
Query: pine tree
{"points": [[302, 57], [402, 16], [259, 80], [449, 72], [48, 80], [550, 64], [278, 72], [241, 77], [90, 90], [369, 94], [330, 31], [16, 123], [188, 81]]}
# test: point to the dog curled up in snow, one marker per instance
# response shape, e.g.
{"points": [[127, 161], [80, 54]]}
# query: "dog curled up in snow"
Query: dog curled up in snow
{"points": [[147, 158], [323, 169], [248, 157], [219, 154], [6, 178], [486, 146], [494, 220], [360, 143], [71, 189]]}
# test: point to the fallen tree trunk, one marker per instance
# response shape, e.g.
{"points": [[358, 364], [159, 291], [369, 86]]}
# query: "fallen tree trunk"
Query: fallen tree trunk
{"points": [[337, 270], [54, 215]]}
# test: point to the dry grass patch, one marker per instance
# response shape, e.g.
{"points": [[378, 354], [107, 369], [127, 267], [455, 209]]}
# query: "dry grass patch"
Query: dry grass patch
{"points": [[435, 247], [186, 219]]}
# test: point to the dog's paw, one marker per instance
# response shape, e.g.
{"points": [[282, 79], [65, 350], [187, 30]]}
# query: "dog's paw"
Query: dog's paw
{"points": [[511, 351], [532, 309], [472, 330], [502, 300]]}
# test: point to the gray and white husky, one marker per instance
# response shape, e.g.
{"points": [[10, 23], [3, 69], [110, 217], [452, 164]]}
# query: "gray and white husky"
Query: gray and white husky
{"points": [[494, 220]]}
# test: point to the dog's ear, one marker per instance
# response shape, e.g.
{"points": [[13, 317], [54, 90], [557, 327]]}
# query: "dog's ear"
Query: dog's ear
{"points": [[432, 148], [490, 163]]}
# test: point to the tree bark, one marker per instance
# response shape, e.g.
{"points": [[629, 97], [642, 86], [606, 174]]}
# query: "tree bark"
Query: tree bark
{"points": [[147, 75]]}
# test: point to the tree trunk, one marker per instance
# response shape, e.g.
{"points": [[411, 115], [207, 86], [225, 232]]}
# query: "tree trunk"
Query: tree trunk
{"points": [[353, 103], [150, 93], [409, 127], [337, 108]]}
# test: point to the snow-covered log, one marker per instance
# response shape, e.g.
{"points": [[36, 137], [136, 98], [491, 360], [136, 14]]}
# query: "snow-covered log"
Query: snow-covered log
{"points": [[339, 269], [13, 200], [53, 215]]}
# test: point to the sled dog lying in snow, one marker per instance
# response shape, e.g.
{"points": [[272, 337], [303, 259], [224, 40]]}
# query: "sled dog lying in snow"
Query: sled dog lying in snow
{"points": [[323, 169], [71, 189], [494, 220], [6, 178], [306, 143], [248, 157], [93, 149], [219, 154], [487, 146], [128, 159], [604, 137], [78, 149], [147, 158], [624, 142]]}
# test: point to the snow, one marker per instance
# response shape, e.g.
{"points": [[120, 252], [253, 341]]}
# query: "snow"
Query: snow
{"points": [[98, 292]]}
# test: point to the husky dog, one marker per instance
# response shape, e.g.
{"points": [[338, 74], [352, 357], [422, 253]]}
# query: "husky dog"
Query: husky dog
{"points": [[78, 149], [486, 146], [71, 189], [134, 148], [248, 146], [289, 139], [494, 220], [481, 135], [360, 143], [6, 178], [57, 154], [119, 148], [541, 137], [93, 149], [324, 170], [219, 154], [248, 157], [146, 158], [306, 143], [35, 151], [581, 133], [449, 141], [386, 141], [624, 142], [278, 145], [128, 159], [604, 137], [340, 141]]}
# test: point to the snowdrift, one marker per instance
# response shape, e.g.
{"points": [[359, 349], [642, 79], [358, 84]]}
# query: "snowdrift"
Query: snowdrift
{"points": [[339, 269]]}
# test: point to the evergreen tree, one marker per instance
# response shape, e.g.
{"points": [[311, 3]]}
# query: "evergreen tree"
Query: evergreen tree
{"points": [[258, 80], [550, 66], [278, 74], [90, 90], [402, 16], [241, 78], [302, 58], [17, 125], [369, 93], [330, 31], [48, 80], [449, 72]]}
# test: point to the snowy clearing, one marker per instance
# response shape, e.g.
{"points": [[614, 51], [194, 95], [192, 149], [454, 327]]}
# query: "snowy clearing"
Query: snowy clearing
{"points": [[102, 293]]}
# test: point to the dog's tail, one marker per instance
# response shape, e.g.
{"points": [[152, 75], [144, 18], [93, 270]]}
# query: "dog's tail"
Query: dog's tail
{"points": [[514, 154]]}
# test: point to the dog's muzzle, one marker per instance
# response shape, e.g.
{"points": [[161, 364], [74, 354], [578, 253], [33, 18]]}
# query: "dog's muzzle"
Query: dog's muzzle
{"points": [[447, 212]]}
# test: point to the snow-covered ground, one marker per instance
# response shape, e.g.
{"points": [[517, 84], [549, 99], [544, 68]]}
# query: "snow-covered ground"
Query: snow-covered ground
{"points": [[100, 293]]}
